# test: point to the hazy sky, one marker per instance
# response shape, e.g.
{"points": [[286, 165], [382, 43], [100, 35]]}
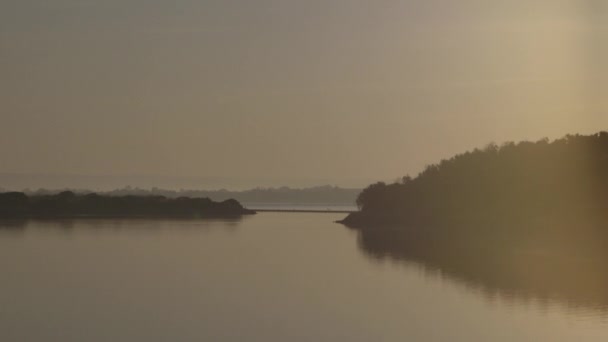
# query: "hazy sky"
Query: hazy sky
{"points": [[283, 92]]}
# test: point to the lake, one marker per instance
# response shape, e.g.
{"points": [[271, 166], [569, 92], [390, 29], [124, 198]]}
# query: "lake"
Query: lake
{"points": [[268, 277]]}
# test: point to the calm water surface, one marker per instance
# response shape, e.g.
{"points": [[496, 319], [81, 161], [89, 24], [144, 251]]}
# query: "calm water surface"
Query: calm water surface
{"points": [[270, 277]]}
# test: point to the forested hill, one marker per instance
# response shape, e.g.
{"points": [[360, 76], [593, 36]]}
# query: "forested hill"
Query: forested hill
{"points": [[513, 182], [529, 218]]}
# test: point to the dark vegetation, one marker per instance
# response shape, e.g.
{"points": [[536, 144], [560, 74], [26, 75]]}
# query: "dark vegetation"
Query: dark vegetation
{"points": [[527, 218], [508, 183], [70, 205]]}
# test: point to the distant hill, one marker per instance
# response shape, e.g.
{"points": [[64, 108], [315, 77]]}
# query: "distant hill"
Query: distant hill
{"points": [[321, 195]]}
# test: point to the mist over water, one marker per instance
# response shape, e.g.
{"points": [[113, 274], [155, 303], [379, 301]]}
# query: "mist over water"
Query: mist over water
{"points": [[270, 277]]}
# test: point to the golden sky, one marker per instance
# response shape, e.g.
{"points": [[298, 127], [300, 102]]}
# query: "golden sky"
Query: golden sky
{"points": [[282, 92]]}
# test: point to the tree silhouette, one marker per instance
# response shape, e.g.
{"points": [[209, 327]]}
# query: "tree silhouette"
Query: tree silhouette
{"points": [[69, 204], [507, 182]]}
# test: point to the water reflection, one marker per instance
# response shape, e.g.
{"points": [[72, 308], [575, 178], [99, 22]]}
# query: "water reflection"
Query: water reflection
{"points": [[271, 277], [565, 271], [69, 226]]}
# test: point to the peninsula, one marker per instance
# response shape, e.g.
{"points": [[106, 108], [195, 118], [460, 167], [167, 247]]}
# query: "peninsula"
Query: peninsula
{"points": [[70, 205], [529, 218]]}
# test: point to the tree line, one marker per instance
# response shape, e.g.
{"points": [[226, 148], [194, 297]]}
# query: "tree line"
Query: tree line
{"points": [[69, 204], [513, 181]]}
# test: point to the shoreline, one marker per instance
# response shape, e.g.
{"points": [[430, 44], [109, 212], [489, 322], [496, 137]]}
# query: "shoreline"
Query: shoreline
{"points": [[303, 211]]}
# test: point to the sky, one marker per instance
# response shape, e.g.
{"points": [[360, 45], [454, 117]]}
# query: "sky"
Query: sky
{"points": [[246, 93]]}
